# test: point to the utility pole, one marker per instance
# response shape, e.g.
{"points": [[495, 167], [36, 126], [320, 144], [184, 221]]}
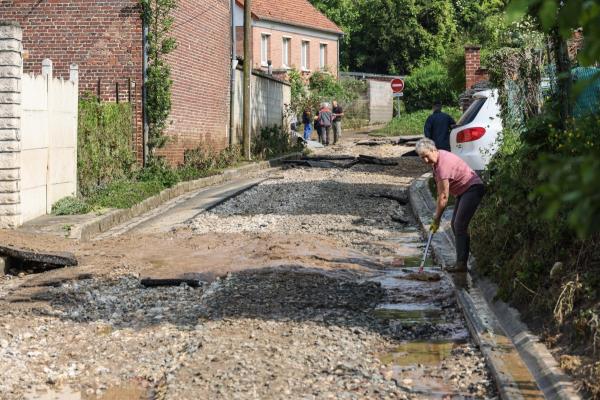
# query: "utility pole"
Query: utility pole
{"points": [[247, 71]]}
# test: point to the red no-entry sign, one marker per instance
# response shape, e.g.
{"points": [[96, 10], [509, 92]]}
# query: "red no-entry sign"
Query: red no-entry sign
{"points": [[397, 85]]}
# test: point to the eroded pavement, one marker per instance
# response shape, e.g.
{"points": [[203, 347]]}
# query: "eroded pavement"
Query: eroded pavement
{"points": [[308, 291]]}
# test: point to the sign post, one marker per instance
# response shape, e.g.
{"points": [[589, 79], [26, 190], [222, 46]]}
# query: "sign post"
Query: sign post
{"points": [[397, 89]]}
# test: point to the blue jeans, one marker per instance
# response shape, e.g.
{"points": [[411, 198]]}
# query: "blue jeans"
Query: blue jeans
{"points": [[307, 131]]}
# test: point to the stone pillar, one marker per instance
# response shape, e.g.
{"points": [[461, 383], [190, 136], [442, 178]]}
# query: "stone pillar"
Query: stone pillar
{"points": [[11, 69]]}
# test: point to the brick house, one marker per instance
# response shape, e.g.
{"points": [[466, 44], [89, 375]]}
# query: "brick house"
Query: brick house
{"points": [[289, 33], [105, 38]]}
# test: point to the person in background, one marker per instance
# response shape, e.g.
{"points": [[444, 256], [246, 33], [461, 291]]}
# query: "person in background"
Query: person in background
{"points": [[338, 113], [307, 121], [325, 120], [453, 176], [317, 127], [438, 126]]}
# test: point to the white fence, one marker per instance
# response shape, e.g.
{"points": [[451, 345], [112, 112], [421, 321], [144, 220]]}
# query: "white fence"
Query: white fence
{"points": [[48, 143], [269, 95], [38, 136]]}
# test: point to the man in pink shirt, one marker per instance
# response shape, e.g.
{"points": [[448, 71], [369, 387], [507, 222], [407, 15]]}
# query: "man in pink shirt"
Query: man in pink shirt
{"points": [[453, 176]]}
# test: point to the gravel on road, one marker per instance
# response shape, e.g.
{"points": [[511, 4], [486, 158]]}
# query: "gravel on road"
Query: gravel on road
{"points": [[313, 297]]}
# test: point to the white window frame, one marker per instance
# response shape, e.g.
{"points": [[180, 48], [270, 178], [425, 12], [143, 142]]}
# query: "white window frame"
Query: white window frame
{"points": [[305, 55], [286, 45], [265, 38], [322, 55]]}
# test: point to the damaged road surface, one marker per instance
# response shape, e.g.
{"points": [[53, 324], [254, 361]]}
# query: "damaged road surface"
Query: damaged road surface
{"points": [[301, 287], [17, 260]]}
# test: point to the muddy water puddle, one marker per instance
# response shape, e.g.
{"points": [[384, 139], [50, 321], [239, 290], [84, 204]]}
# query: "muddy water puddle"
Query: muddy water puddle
{"points": [[418, 352], [410, 313], [425, 363]]}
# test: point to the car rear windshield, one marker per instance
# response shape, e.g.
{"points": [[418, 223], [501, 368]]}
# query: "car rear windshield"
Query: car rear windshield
{"points": [[471, 112]]}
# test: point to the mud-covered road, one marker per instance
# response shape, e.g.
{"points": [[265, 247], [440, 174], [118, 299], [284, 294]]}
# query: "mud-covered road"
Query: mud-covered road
{"points": [[308, 291]]}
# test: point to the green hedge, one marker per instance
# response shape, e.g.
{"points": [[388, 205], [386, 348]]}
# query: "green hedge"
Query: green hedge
{"points": [[104, 150], [428, 84]]}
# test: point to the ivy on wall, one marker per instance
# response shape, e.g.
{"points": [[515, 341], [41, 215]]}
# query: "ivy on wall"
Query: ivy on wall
{"points": [[516, 69], [157, 18]]}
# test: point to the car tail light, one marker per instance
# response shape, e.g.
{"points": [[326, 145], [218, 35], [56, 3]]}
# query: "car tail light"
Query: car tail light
{"points": [[469, 134]]}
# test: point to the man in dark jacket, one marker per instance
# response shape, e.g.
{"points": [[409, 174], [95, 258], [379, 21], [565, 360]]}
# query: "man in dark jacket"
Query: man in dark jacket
{"points": [[338, 113], [438, 126]]}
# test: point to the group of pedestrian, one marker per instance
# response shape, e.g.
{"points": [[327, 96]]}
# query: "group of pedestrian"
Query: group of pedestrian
{"points": [[323, 122]]}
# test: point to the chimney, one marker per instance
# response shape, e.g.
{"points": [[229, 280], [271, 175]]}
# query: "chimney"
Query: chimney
{"points": [[473, 71], [575, 43]]}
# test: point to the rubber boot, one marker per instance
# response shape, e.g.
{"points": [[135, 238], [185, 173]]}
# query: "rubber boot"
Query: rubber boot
{"points": [[462, 254], [460, 266]]}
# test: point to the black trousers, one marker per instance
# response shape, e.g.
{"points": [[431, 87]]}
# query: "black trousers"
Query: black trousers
{"points": [[464, 209]]}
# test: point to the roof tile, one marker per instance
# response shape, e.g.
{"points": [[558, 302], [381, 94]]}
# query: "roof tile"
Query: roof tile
{"points": [[293, 12]]}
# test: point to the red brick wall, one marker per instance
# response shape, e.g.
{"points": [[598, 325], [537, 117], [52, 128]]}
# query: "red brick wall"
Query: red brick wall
{"points": [[103, 37], [200, 67], [473, 71]]}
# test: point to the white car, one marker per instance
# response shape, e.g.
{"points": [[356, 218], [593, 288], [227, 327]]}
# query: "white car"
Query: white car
{"points": [[474, 138]]}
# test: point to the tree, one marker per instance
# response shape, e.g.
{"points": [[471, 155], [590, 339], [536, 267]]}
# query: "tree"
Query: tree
{"points": [[571, 188], [391, 36], [479, 21], [345, 14], [563, 17]]}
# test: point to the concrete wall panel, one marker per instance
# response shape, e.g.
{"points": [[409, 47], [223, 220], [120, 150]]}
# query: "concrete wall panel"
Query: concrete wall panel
{"points": [[34, 129], [269, 97], [33, 203], [34, 168], [381, 102]]}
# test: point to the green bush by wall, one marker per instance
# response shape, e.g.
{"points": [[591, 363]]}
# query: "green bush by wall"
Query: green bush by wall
{"points": [[428, 84], [104, 150]]}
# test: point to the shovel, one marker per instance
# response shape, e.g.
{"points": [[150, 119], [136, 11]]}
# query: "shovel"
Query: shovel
{"points": [[426, 251]]}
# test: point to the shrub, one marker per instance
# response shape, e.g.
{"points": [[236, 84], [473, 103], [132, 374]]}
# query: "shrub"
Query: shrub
{"points": [[428, 84], [70, 206], [158, 171], [271, 142], [455, 64], [206, 158], [104, 149], [124, 193], [323, 86]]}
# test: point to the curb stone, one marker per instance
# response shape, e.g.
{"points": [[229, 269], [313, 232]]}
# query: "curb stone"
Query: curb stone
{"points": [[492, 323], [116, 217]]}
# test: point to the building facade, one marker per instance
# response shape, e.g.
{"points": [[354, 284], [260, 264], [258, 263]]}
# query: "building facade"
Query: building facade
{"points": [[289, 34], [106, 40]]}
